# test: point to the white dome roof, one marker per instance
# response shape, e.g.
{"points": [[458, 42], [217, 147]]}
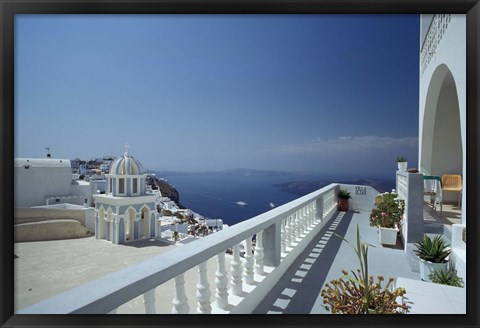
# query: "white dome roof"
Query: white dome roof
{"points": [[126, 165]]}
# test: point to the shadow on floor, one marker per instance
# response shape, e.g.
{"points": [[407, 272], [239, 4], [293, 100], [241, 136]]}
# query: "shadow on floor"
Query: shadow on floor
{"points": [[145, 242]]}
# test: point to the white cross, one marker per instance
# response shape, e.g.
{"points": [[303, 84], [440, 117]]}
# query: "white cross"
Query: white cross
{"points": [[126, 149]]}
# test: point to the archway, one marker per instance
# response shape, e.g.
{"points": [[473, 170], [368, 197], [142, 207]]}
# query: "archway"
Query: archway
{"points": [[442, 151], [109, 223], [129, 231], [145, 222], [100, 223]]}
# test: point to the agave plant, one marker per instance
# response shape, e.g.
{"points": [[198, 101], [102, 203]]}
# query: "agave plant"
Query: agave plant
{"points": [[434, 250], [446, 277]]}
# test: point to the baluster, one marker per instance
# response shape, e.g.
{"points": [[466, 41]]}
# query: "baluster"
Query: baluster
{"points": [[259, 254], [292, 229], [203, 290], [180, 301], [221, 281], [304, 221], [248, 272], [149, 301], [288, 235], [310, 216], [283, 236], [236, 271], [307, 217], [298, 226], [314, 213]]}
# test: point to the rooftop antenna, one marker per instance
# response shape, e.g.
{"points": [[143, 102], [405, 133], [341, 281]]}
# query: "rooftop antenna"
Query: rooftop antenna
{"points": [[48, 152]]}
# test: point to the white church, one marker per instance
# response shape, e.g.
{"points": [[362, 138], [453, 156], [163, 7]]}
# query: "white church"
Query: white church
{"points": [[126, 211]]}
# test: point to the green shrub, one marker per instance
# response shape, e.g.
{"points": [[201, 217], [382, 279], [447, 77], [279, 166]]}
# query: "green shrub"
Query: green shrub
{"points": [[344, 194], [446, 277]]}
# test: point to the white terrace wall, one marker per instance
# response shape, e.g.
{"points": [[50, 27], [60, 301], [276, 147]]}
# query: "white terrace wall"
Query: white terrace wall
{"points": [[363, 197], [27, 230]]}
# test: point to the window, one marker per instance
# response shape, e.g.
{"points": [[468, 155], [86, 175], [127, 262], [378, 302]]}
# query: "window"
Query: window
{"points": [[121, 186], [135, 185]]}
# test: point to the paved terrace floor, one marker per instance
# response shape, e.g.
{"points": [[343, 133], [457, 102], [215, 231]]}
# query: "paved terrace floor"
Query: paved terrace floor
{"points": [[43, 269], [298, 291]]}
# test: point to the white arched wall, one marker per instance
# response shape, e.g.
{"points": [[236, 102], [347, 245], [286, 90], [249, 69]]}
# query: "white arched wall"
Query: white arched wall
{"points": [[441, 139], [449, 58]]}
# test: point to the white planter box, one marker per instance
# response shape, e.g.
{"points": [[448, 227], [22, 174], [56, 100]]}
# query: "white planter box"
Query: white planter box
{"points": [[387, 236], [402, 166], [427, 267]]}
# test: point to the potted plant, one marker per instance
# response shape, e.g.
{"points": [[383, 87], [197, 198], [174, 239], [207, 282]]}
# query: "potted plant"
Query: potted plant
{"points": [[343, 197], [433, 254], [402, 163], [387, 216], [359, 294], [446, 277]]}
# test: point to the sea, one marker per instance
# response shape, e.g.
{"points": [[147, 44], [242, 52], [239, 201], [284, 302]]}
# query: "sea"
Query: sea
{"points": [[215, 195]]}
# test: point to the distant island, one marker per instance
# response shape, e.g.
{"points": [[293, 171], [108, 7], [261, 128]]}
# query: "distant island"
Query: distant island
{"points": [[239, 172], [302, 188]]}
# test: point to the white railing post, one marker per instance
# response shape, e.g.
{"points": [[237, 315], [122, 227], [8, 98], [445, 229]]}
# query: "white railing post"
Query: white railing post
{"points": [[259, 253], [180, 301], [149, 301], [203, 290], [221, 282], [248, 272], [319, 208], [236, 271], [272, 248]]}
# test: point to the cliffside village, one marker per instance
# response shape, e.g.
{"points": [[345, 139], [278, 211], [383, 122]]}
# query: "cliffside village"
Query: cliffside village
{"points": [[119, 201]]}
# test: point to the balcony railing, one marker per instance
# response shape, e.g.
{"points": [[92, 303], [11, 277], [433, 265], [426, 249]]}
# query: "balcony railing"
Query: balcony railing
{"points": [[281, 235], [436, 30]]}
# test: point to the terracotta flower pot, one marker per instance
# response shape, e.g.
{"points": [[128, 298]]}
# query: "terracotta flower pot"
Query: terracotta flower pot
{"points": [[343, 205]]}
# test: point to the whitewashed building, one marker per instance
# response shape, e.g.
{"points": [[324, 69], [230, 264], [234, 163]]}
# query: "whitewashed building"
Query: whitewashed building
{"points": [[46, 181], [442, 112], [126, 211], [442, 99]]}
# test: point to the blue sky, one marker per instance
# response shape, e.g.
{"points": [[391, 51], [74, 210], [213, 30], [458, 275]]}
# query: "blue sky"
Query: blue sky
{"points": [[332, 94]]}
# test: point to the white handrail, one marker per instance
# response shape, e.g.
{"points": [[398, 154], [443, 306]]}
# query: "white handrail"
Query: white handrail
{"points": [[107, 293]]}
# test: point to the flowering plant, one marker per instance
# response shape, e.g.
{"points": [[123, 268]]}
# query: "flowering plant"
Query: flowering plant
{"points": [[388, 211]]}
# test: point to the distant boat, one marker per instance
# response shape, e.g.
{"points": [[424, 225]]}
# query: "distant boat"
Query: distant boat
{"points": [[272, 205], [242, 203]]}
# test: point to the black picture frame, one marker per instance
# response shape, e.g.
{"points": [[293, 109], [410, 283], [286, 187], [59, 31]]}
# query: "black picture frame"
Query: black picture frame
{"points": [[11, 7]]}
